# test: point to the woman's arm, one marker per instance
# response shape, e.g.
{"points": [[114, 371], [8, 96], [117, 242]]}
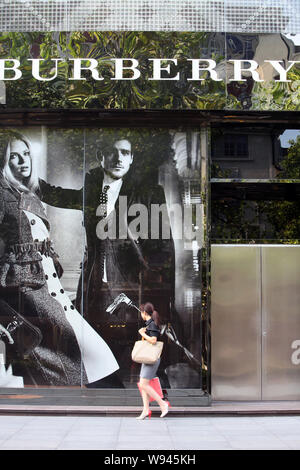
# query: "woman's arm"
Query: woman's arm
{"points": [[150, 339], [61, 197]]}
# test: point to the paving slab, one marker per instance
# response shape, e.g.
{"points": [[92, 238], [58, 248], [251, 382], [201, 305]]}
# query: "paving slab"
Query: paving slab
{"points": [[124, 433]]}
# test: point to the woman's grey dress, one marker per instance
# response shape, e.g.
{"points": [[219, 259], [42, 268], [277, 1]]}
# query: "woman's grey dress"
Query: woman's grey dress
{"points": [[148, 371]]}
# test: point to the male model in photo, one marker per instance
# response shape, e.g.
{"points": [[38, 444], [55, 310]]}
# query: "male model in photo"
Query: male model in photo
{"points": [[140, 268]]}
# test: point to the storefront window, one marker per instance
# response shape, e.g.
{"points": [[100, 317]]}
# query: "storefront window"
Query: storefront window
{"points": [[255, 153], [255, 184], [116, 219]]}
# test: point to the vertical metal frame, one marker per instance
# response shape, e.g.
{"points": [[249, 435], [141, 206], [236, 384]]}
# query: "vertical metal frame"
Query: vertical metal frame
{"points": [[205, 261]]}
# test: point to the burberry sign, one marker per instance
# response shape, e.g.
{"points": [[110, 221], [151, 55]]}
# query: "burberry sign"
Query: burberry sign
{"points": [[160, 69]]}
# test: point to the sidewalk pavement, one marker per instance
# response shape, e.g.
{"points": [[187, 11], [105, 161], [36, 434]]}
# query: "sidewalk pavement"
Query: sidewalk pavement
{"points": [[170, 433]]}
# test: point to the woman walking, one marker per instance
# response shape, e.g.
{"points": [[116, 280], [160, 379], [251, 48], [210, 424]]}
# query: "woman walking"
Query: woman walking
{"points": [[151, 333], [70, 351]]}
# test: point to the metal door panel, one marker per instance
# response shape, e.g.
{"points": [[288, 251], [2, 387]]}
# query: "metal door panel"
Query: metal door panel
{"points": [[281, 322], [235, 322]]}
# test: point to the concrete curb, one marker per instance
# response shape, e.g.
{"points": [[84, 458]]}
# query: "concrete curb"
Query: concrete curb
{"points": [[216, 409]]}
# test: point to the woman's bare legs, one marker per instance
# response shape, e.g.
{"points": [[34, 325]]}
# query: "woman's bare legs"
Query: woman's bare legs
{"points": [[149, 391], [145, 399]]}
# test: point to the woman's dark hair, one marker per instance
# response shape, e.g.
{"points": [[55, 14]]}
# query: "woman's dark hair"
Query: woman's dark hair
{"points": [[149, 309]]}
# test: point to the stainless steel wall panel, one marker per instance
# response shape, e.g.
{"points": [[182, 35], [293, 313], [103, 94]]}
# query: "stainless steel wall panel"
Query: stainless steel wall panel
{"points": [[281, 322], [236, 322]]}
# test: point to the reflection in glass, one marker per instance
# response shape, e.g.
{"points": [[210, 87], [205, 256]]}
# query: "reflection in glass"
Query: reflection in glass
{"points": [[255, 175], [262, 221], [255, 153], [289, 163]]}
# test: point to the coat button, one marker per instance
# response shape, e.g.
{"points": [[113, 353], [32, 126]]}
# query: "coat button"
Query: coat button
{"points": [[72, 307], [54, 275], [32, 222], [53, 294], [62, 291], [46, 277], [65, 307]]}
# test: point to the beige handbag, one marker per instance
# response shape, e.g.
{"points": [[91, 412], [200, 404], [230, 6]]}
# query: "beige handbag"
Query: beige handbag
{"points": [[146, 353]]}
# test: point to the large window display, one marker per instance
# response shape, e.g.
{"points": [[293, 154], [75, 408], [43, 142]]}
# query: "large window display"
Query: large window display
{"points": [[95, 222]]}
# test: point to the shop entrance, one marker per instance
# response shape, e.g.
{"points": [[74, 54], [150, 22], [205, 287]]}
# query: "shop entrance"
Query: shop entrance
{"points": [[255, 322]]}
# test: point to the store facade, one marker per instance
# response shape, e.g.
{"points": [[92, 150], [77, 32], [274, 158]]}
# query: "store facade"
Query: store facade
{"points": [[196, 135]]}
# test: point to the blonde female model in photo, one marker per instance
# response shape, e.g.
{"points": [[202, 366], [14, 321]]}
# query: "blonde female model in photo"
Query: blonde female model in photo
{"points": [[70, 351]]}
